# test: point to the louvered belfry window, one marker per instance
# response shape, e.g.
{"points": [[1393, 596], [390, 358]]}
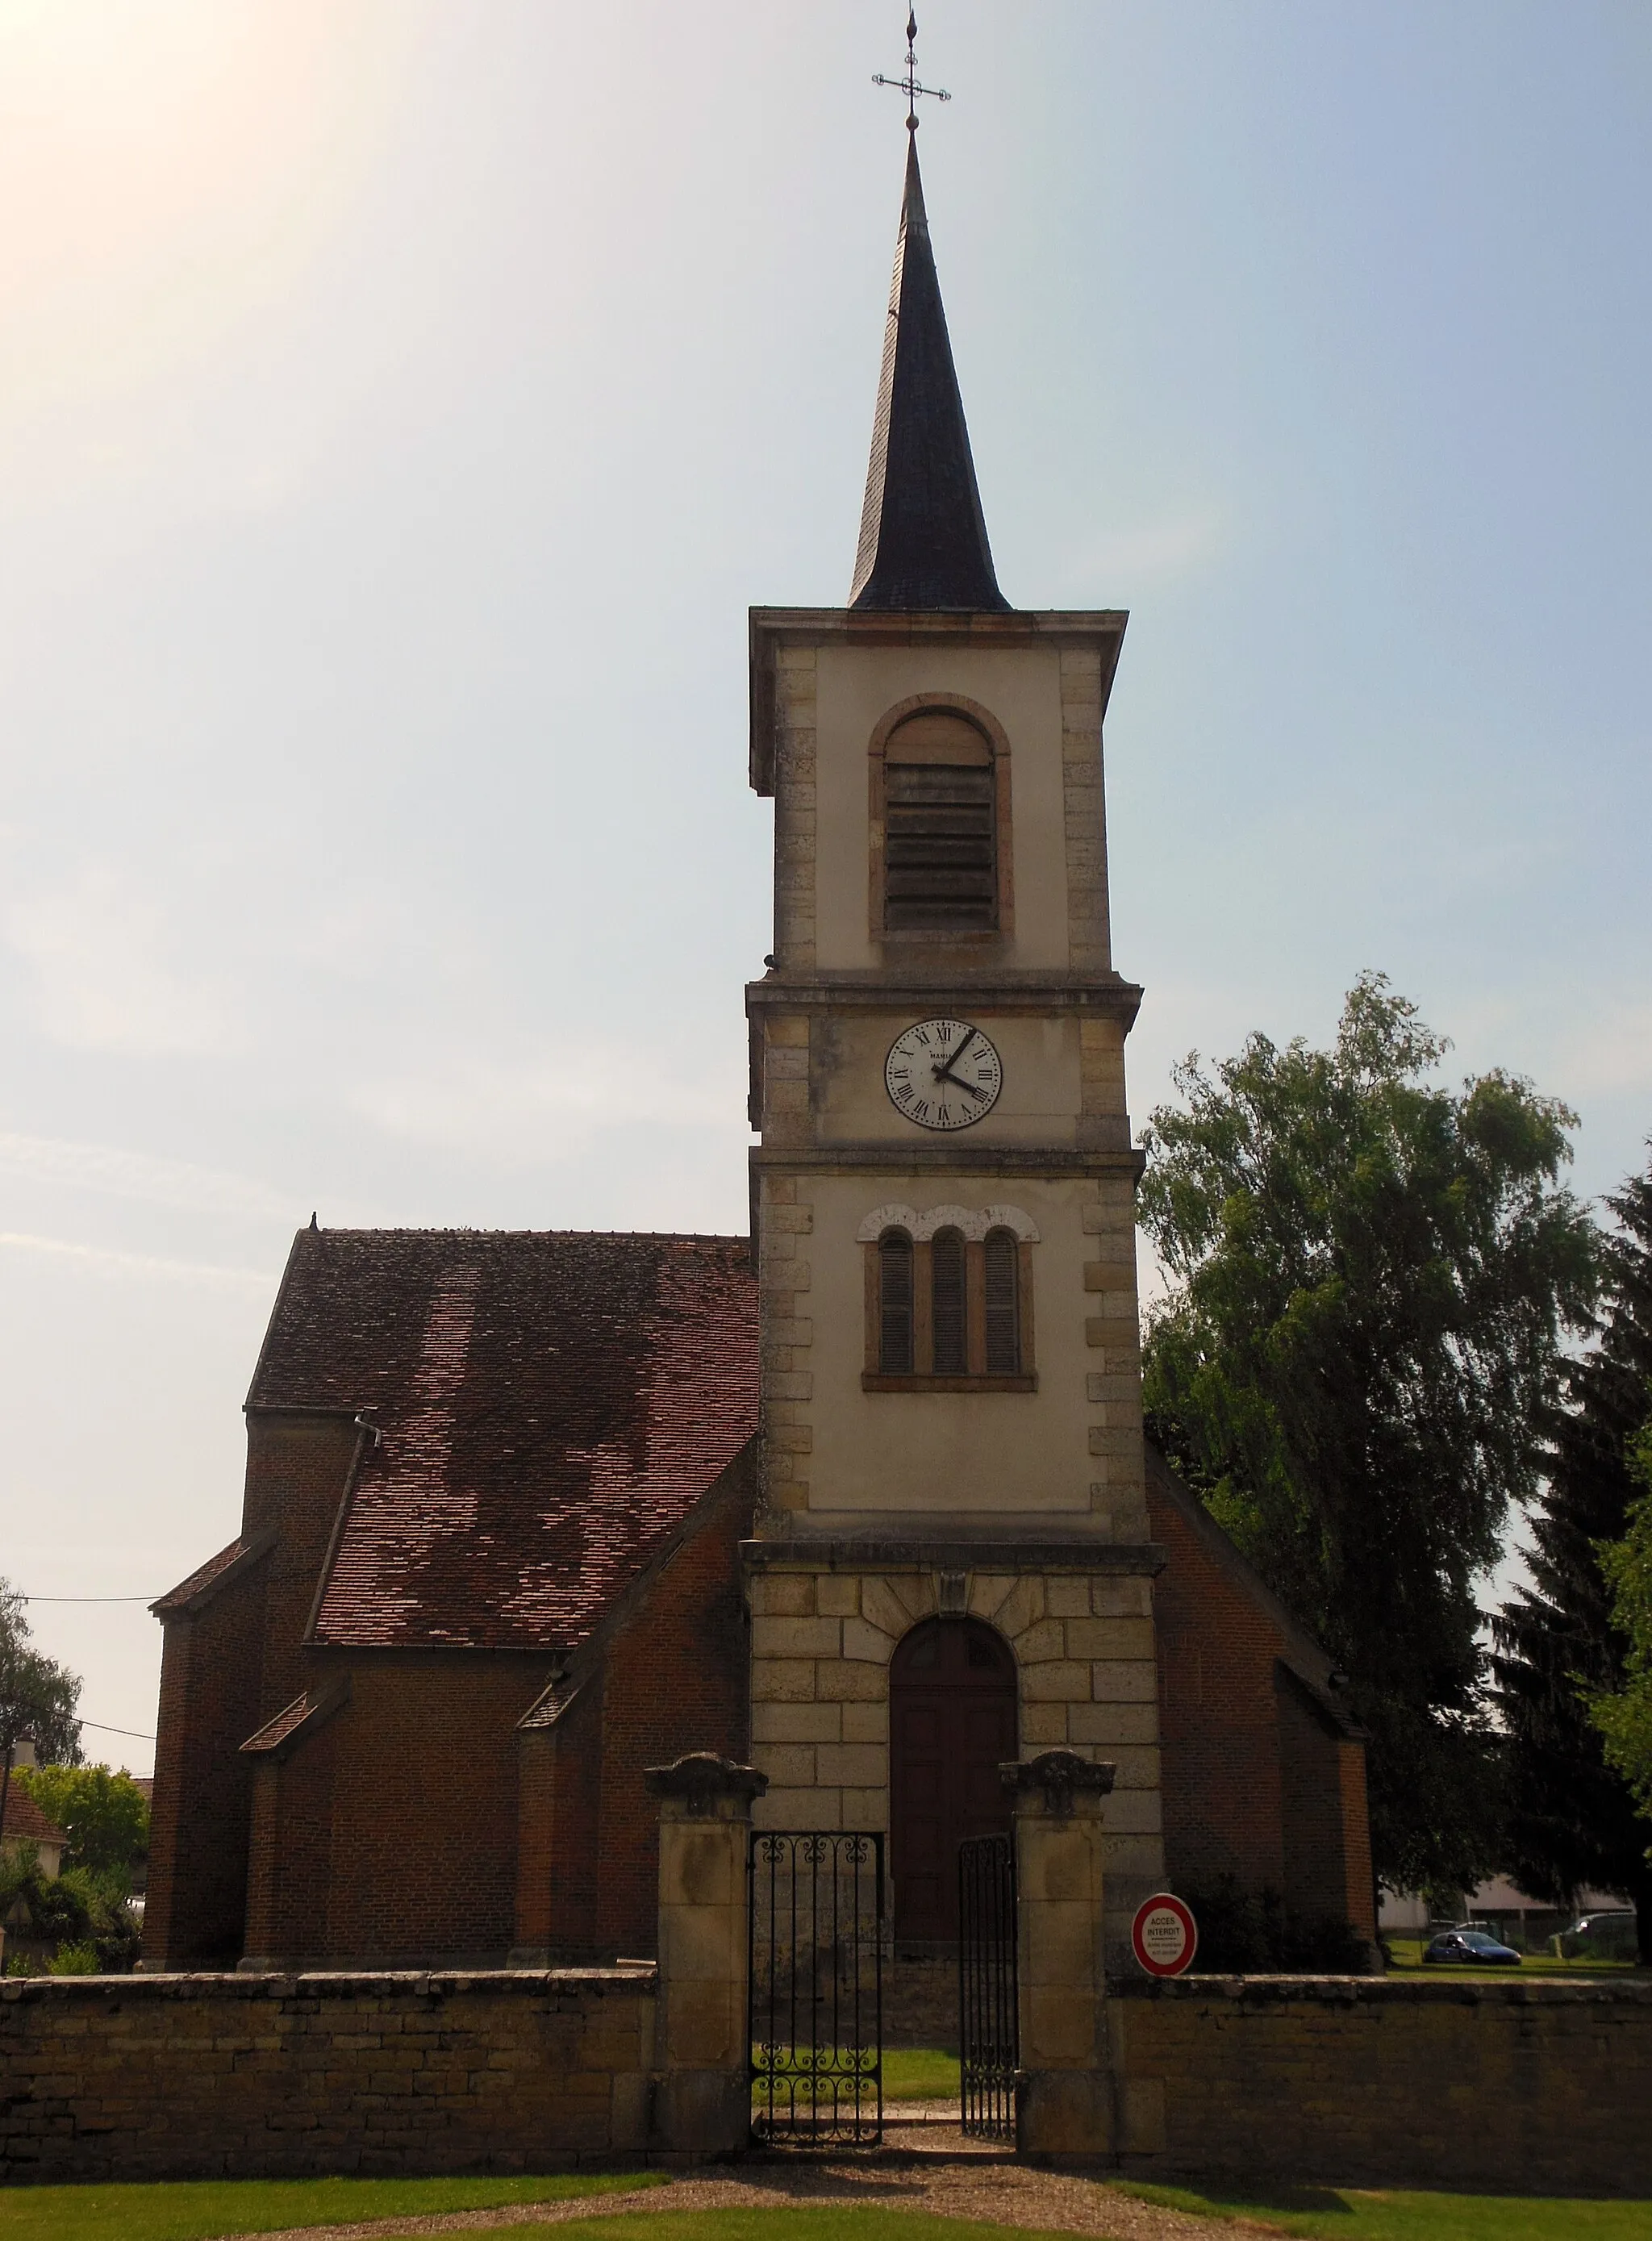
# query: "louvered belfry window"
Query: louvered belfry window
{"points": [[940, 839], [895, 1347], [1003, 1303], [949, 1309]]}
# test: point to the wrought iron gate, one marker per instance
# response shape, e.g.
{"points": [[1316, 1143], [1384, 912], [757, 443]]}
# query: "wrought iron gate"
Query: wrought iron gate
{"points": [[816, 1915], [988, 2020]]}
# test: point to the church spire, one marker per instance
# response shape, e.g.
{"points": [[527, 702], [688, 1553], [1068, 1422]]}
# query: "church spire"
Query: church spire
{"points": [[923, 537]]}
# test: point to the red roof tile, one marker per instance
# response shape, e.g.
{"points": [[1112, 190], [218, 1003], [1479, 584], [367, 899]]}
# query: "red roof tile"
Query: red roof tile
{"points": [[24, 1823], [553, 1403], [203, 1577]]}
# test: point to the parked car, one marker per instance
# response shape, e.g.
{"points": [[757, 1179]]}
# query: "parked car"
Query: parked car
{"points": [[1609, 1934], [1474, 1949]]}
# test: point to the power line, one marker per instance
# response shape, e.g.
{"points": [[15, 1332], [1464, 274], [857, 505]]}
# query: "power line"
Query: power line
{"points": [[104, 1729], [91, 1599]]}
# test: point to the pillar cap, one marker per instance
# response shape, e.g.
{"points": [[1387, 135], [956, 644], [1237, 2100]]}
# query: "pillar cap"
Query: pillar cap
{"points": [[1061, 1776], [699, 1779]]}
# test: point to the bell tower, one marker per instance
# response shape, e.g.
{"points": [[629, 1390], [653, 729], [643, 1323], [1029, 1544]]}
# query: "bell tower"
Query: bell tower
{"points": [[943, 1193]]}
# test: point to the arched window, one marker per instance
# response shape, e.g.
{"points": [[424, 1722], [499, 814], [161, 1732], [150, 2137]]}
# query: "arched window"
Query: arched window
{"points": [[895, 1344], [940, 837], [949, 1308], [1002, 1255]]}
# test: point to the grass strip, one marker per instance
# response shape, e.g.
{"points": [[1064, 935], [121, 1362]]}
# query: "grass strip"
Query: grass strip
{"points": [[850, 2222], [1330, 2213], [196, 2209]]}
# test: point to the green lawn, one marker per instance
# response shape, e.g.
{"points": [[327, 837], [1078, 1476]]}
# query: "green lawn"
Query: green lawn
{"points": [[918, 2073], [910, 2073], [1351, 2215], [191, 2209], [1408, 1962]]}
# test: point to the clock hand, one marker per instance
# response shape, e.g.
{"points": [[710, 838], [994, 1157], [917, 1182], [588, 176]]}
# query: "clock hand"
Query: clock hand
{"points": [[945, 1073]]}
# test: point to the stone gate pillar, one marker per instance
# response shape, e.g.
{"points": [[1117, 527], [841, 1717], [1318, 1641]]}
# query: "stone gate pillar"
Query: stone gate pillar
{"points": [[703, 2094], [1064, 2087]]}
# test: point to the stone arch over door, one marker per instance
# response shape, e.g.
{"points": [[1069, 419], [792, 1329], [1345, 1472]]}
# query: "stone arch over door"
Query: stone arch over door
{"points": [[952, 1724]]}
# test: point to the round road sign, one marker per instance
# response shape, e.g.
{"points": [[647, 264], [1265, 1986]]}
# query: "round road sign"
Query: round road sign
{"points": [[1164, 1935]]}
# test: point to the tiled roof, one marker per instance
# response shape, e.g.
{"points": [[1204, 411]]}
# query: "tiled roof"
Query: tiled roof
{"points": [[25, 1822], [552, 1405], [205, 1577]]}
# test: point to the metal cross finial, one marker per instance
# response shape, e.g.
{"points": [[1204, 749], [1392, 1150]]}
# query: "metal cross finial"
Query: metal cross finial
{"points": [[909, 84]]}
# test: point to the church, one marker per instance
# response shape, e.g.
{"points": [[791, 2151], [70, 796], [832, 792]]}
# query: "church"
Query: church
{"points": [[863, 1499]]}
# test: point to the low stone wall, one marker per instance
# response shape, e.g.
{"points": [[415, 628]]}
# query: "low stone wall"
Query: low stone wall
{"points": [[921, 2001], [1511, 2087], [200, 2077]]}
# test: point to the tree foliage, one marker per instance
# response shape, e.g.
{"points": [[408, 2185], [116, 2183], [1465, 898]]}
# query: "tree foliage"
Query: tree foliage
{"points": [[1370, 1278], [1559, 1644], [1623, 1715], [37, 1696], [104, 1814]]}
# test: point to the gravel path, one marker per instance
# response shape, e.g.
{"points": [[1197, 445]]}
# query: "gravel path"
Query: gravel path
{"points": [[926, 2164]]}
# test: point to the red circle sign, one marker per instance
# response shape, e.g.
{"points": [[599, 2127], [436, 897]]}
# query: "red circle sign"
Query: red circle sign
{"points": [[1164, 1935]]}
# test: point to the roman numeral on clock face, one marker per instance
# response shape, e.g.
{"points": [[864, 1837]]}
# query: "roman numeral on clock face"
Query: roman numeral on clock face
{"points": [[943, 1074]]}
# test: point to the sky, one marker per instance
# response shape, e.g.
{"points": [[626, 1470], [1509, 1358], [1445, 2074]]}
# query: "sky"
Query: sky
{"points": [[403, 401]]}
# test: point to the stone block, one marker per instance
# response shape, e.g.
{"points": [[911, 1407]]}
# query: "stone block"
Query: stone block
{"points": [[787, 1765], [839, 1682], [1136, 1765], [1067, 1597], [883, 1607], [1111, 1637], [987, 1591], [1118, 1597], [1061, 1681], [798, 1809], [836, 1594], [862, 1723], [867, 1642], [859, 1766], [1134, 1813], [866, 1809], [1103, 1727], [1044, 1640], [795, 1638], [1045, 1727], [783, 1594], [776, 1680], [1021, 1607], [1123, 1681]]}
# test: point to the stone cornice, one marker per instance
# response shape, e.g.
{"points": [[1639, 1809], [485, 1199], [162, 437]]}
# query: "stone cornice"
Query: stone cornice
{"points": [[991, 993], [1101, 628], [807, 1553], [948, 1158]]}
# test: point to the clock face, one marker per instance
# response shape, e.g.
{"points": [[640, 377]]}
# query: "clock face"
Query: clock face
{"points": [[943, 1074]]}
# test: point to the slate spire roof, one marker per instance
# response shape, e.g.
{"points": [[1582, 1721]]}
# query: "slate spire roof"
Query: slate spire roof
{"points": [[923, 535]]}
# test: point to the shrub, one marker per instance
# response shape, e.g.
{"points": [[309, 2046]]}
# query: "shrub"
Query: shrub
{"points": [[78, 1960], [1249, 1933]]}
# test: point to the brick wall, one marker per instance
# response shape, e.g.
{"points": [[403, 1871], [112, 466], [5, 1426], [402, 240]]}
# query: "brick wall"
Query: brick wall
{"points": [[1511, 2087], [196, 1909], [246, 2077], [1263, 1782]]}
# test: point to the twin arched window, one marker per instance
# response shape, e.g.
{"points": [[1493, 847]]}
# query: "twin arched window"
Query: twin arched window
{"points": [[950, 1306]]}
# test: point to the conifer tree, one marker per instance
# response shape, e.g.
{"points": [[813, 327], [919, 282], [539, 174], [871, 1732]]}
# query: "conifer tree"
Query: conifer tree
{"points": [[1573, 1821]]}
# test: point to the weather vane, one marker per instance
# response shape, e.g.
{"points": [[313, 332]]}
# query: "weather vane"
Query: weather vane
{"points": [[909, 84]]}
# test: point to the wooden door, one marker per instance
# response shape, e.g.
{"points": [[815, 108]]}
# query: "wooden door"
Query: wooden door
{"points": [[951, 1725]]}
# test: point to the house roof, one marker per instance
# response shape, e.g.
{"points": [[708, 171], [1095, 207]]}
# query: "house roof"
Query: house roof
{"points": [[550, 1406], [24, 1823]]}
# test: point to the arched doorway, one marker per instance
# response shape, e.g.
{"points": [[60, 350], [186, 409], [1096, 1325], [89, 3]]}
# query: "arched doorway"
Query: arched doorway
{"points": [[951, 1725]]}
